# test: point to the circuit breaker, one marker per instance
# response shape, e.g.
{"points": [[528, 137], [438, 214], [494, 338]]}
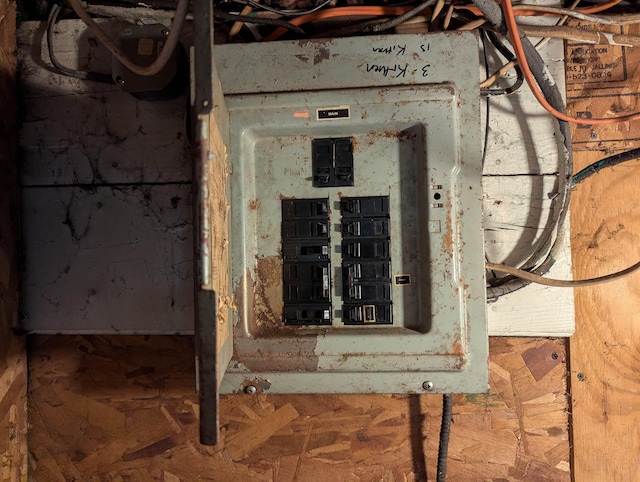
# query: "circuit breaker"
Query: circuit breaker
{"points": [[355, 239]]}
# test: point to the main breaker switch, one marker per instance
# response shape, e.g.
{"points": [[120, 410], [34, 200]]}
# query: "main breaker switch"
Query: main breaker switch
{"points": [[332, 162]]}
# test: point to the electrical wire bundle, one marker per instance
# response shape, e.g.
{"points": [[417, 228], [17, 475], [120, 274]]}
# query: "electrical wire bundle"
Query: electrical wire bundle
{"points": [[382, 18], [547, 94]]}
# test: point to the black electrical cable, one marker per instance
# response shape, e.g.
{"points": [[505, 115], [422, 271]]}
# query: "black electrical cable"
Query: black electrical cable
{"points": [[487, 103], [604, 163], [54, 15], [381, 27], [257, 20], [445, 430], [547, 246], [502, 48]]}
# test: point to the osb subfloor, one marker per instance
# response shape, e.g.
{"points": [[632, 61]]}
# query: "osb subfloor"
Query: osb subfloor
{"points": [[125, 408]]}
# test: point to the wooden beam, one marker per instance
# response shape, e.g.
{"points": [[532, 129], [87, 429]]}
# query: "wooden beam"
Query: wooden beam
{"points": [[605, 232], [13, 359]]}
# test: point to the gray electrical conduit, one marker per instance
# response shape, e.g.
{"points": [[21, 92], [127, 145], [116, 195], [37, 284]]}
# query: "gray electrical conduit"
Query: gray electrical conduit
{"points": [[550, 241]]}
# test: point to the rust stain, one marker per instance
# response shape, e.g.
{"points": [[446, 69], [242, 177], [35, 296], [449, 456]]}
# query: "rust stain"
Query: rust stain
{"points": [[459, 364], [457, 348], [297, 354], [267, 295], [320, 42], [323, 53], [254, 204], [301, 358], [447, 238], [296, 348], [346, 356]]}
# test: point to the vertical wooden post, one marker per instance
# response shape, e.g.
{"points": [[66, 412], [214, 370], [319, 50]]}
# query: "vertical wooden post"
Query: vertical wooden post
{"points": [[605, 233], [13, 359]]}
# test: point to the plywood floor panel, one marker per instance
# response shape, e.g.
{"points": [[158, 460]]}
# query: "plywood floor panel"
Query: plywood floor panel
{"points": [[125, 407]]}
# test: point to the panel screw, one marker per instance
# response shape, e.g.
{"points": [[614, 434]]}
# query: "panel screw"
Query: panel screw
{"points": [[554, 355], [250, 389], [165, 32], [594, 135], [581, 377], [427, 386]]}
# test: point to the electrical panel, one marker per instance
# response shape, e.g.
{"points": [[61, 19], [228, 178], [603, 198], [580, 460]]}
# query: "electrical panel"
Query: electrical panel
{"points": [[355, 238]]}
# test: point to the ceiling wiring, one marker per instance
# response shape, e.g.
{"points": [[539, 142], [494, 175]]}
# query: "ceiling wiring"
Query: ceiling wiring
{"points": [[581, 35], [437, 9], [600, 8], [509, 65], [354, 28], [512, 63], [474, 24], [339, 12], [447, 18], [586, 10], [502, 48], [284, 13], [525, 9], [403, 14], [274, 22], [237, 26], [402, 18]]}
